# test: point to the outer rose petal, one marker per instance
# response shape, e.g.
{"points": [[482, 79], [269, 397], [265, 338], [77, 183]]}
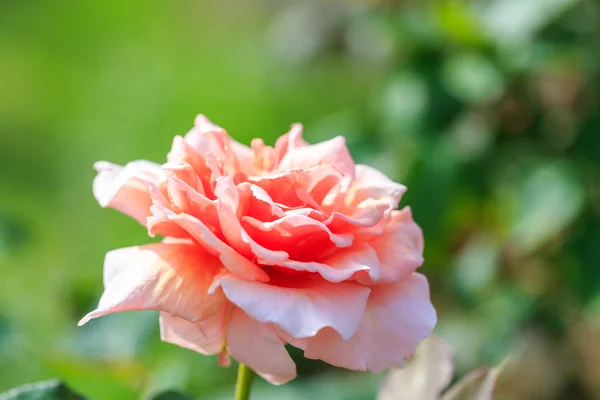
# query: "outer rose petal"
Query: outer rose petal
{"points": [[172, 277], [399, 248], [126, 188], [301, 308], [372, 184], [370, 197], [206, 337], [332, 151], [398, 317], [258, 346]]}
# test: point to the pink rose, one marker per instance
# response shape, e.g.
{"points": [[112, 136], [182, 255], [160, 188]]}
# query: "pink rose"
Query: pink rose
{"points": [[266, 246]]}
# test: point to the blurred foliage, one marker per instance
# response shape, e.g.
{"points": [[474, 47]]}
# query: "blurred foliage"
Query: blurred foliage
{"points": [[488, 110], [48, 390]]}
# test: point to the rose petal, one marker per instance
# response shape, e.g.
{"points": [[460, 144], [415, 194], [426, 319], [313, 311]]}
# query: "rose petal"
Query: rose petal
{"points": [[363, 217], [264, 156], [230, 207], [185, 198], [213, 141], [207, 138], [286, 187], [340, 266], [399, 248], [298, 228], [370, 196], [231, 259], [183, 154], [398, 317], [332, 151], [262, 205], [169, 277], [126, 188], [301, 308], [258, 346], [243, 155], [289, 141], [206, 337], [372, 184], [185, 173]]}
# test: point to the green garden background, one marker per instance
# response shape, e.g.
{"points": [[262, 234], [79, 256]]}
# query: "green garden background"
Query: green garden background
{"points": [[487, 110]]}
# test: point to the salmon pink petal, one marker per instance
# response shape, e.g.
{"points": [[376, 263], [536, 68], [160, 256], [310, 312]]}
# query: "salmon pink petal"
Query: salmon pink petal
{"points": [[126, 188], [169, 277], [289, 141], [210, 140], [372, 184], [332, 152], [186, 198], [358, 258], [185, 173], [259, 347], [335, 198], [364, 217], [399, 248], [183, 154], [231, 259], [299, 227], [369, 199], [262, 205], [244, 156], [206, 137], [398, 317], [316, 179], [229, 207], [160, 224], [301, 308], [342, 265], [264, 156], [206, 336], [307, 212], [285, 187]]}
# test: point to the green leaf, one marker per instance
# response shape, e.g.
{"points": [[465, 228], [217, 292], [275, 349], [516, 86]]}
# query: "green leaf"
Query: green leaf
{"points": [[170, 395], [46, 390]]}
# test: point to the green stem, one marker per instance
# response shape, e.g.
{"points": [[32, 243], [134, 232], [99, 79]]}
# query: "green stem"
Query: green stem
{"points": [[244, 381]]}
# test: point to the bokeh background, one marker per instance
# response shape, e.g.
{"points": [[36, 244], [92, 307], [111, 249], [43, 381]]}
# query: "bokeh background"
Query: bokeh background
{"points": [[488, 110]]}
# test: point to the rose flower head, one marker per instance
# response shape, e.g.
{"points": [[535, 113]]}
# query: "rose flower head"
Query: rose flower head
{"points": [[265, 246]]}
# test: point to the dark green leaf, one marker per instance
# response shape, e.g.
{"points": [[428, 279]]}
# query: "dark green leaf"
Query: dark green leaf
{"points": [[171, 395], [46, 390]]}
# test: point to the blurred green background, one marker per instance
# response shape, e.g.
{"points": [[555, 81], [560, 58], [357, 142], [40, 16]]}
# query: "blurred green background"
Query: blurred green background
{"points": [[487, 110]]}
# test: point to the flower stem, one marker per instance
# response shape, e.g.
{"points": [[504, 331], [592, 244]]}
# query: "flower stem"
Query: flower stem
{"points": [[244, 381]]}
